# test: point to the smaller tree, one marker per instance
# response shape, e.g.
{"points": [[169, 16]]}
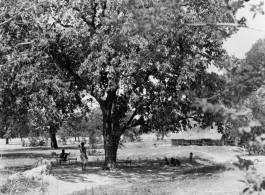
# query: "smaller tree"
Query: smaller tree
{"points": [[83, 123]]}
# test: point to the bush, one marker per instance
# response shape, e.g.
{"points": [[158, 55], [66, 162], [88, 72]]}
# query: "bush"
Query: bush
{"points": [[33, 142], [2, 165], [19, 185], [25, 143], [96, 146]]}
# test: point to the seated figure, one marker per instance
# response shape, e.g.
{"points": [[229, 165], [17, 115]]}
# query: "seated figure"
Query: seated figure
{"points": [[64, 155], [173, 161], [177, 162], [166, 161]]}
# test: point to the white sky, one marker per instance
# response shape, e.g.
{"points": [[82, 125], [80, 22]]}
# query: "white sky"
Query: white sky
{"points": [[241, 42]]}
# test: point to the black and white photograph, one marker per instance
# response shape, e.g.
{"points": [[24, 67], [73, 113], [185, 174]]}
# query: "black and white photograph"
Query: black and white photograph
{"points": [[132, 97]]}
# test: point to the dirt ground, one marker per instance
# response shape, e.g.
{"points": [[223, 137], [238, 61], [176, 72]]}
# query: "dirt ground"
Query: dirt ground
{"points": [[211, 172]]}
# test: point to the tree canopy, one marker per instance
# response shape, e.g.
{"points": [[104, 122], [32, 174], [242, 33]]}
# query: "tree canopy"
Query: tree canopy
{"points": [[143, 58]]}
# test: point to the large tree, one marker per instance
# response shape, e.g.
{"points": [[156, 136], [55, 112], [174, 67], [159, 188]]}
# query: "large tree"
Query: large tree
{"points": [[34, 94], [126, 70], [126, 63]]}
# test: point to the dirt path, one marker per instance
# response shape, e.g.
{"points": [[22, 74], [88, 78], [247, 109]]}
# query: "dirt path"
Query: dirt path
{"points": [[144, 171], [189, 178]]}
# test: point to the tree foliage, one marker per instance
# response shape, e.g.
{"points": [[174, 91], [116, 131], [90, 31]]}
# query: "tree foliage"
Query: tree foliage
{"points": [[81, 124], [134, 57]]}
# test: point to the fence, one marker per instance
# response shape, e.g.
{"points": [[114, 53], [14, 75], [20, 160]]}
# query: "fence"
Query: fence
{"points": [[148, 144], [202, 142]]}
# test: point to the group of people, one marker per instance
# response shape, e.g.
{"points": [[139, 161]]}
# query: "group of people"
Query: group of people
{"points": [[83, 155], [173, 162], [176, 162]]}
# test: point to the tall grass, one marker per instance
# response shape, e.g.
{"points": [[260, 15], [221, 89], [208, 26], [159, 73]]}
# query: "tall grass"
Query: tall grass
{"points": [[2, 171], [20, 185], [2, 166]]}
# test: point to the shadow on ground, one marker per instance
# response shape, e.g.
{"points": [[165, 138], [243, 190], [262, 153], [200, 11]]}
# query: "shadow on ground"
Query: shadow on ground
{"points": [[19, 155], [140, 170], [42, 148]]}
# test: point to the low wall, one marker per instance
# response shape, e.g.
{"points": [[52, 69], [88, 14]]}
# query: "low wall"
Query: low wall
{"points": [[201, 142]]}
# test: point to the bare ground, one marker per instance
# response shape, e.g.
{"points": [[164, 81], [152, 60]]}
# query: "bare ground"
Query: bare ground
{"points": [[210, 173]]}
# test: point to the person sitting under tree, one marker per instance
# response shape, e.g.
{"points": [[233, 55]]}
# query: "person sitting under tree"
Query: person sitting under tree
{"points": [[166, 161], [63, 156], [172, 161], [177, 162]]}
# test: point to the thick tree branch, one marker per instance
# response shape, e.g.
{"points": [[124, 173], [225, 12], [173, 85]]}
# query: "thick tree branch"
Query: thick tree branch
{"points": [[66, 63], [132, 117], [15, 15], [139, 121], [94, 15]]}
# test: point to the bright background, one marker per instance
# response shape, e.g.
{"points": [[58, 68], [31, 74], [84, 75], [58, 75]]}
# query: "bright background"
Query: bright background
{"points": [[241, 42]]}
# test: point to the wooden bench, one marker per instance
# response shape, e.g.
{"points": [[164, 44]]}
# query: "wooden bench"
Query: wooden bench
{"points": [[124, 162], [60, 160]]}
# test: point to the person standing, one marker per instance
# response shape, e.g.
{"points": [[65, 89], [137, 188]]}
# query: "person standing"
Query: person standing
{"points": [[191, 156], [83, 156]]}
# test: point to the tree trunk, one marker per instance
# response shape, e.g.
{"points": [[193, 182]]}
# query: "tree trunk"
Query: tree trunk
{"points": [[162, 133], [54, 144], [112, 135], [75, 138], [7, 141], [111, 143], [78, 139], [112, 130]]}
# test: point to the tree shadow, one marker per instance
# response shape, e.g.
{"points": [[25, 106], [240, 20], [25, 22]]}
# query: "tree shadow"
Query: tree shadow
{"points": [[16, 155], [240, 150], [20, 168], [35, 154], [18, 161], [146, 170], [42, 148]]}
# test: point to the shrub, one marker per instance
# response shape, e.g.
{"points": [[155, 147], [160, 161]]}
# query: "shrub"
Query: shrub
{"points": [[33, 142], [2, 166], [19, 185]]}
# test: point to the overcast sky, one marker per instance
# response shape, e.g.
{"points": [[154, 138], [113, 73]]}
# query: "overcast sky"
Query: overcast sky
{"points": [[241, 42]]}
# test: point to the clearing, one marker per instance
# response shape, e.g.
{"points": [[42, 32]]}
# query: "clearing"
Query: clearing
{"points": [[211, 172]]}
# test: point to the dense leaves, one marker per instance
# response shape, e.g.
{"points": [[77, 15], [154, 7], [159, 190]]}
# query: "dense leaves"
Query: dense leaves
{"points": [[141, 61]]}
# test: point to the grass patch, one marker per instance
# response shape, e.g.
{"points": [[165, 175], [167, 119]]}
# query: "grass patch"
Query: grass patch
{"points": [[207, 169], [145, 176], [20, 185], [184, 180], [2, 166], [157, 188]]}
